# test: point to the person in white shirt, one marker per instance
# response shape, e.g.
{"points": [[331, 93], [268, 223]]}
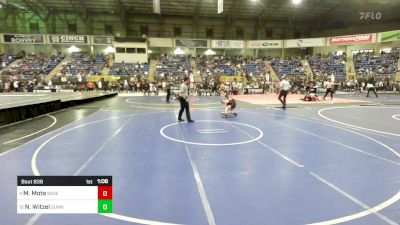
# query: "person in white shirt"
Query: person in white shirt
{"points": [[183, 99], [16, 86], [126, 86], [283, 91], [329, 88], [371, 87], [100, 85], [152, 88]]}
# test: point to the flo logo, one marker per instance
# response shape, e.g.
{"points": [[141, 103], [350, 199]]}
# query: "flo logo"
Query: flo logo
{"points": [[370, 15]]}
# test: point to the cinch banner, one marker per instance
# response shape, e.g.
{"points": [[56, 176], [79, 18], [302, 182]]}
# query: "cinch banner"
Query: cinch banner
{"points": [[23, 38], [265, 44], [191, 43], [68, 39], [390, 36], [351, 39]]}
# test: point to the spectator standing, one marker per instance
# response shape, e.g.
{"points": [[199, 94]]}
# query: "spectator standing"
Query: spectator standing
{"points": [[16, 86], [90, 86], [126, 86], [7, 86], [168, 89], [146, 88], [99, 85]]}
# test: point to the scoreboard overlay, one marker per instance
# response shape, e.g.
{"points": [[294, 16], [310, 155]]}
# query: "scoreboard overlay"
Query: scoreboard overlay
{"points": [[64, 194]]}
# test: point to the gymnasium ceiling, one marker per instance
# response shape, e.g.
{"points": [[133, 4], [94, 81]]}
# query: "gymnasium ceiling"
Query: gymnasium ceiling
{"points": [[339, 13]]}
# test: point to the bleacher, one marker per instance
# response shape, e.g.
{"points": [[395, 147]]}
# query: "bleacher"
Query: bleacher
{"points": [[82, 64], [254, 67], [34, 65], [129, 69], [291, 68], [5, 60], [231, 66], [366, 64], [173, 66], [214, 66], [334, 64]]}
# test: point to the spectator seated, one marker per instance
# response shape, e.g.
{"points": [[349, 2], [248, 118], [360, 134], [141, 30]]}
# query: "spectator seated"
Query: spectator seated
{"points": [[35, 65], [230, 66], [334, 64], [291, 67], [129, 69], [84, 65], [173, 66], [383, 65]]}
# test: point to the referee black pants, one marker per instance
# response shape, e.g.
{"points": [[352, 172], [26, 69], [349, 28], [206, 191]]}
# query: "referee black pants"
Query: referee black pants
{"points": [[168, 95], [372, 89], [283, 94], [184, 106], [329, 90]]}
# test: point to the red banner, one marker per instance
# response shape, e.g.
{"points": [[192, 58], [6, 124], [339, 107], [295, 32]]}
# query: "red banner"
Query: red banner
{"points": [[351, 39]]}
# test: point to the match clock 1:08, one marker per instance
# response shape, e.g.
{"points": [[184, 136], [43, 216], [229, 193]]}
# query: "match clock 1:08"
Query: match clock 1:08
{"points": [[102, 181]]}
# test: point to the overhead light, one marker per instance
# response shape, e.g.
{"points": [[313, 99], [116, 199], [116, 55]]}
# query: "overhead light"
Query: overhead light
{"points": [[16, 5], [296, 2], [179, 51], [209, 52], [73, 49], [109, 49], [220, 6], [156, 6]]}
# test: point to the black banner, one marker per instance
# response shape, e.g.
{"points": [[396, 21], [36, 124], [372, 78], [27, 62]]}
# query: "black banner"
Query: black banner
{"points": [[64, 180], [191, 43], [23, 38], [68, 39], [102, 40], [130, 39]]}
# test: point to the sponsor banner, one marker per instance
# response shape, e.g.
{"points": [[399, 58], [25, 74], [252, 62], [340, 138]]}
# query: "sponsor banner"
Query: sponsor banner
{"points": [[68, 39], [227, 44], [396, 49], [23, 38], [389, 36], [265, 44], [190, 43], [161, 42], [102, 40], [305, 42], [352, 39]]}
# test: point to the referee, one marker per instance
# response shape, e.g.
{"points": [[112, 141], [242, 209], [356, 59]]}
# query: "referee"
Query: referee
{"points": [[284, 89], [183, 99]]}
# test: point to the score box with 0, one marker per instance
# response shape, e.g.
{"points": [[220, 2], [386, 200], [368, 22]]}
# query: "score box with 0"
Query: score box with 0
{"points": [[64, 194]]}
